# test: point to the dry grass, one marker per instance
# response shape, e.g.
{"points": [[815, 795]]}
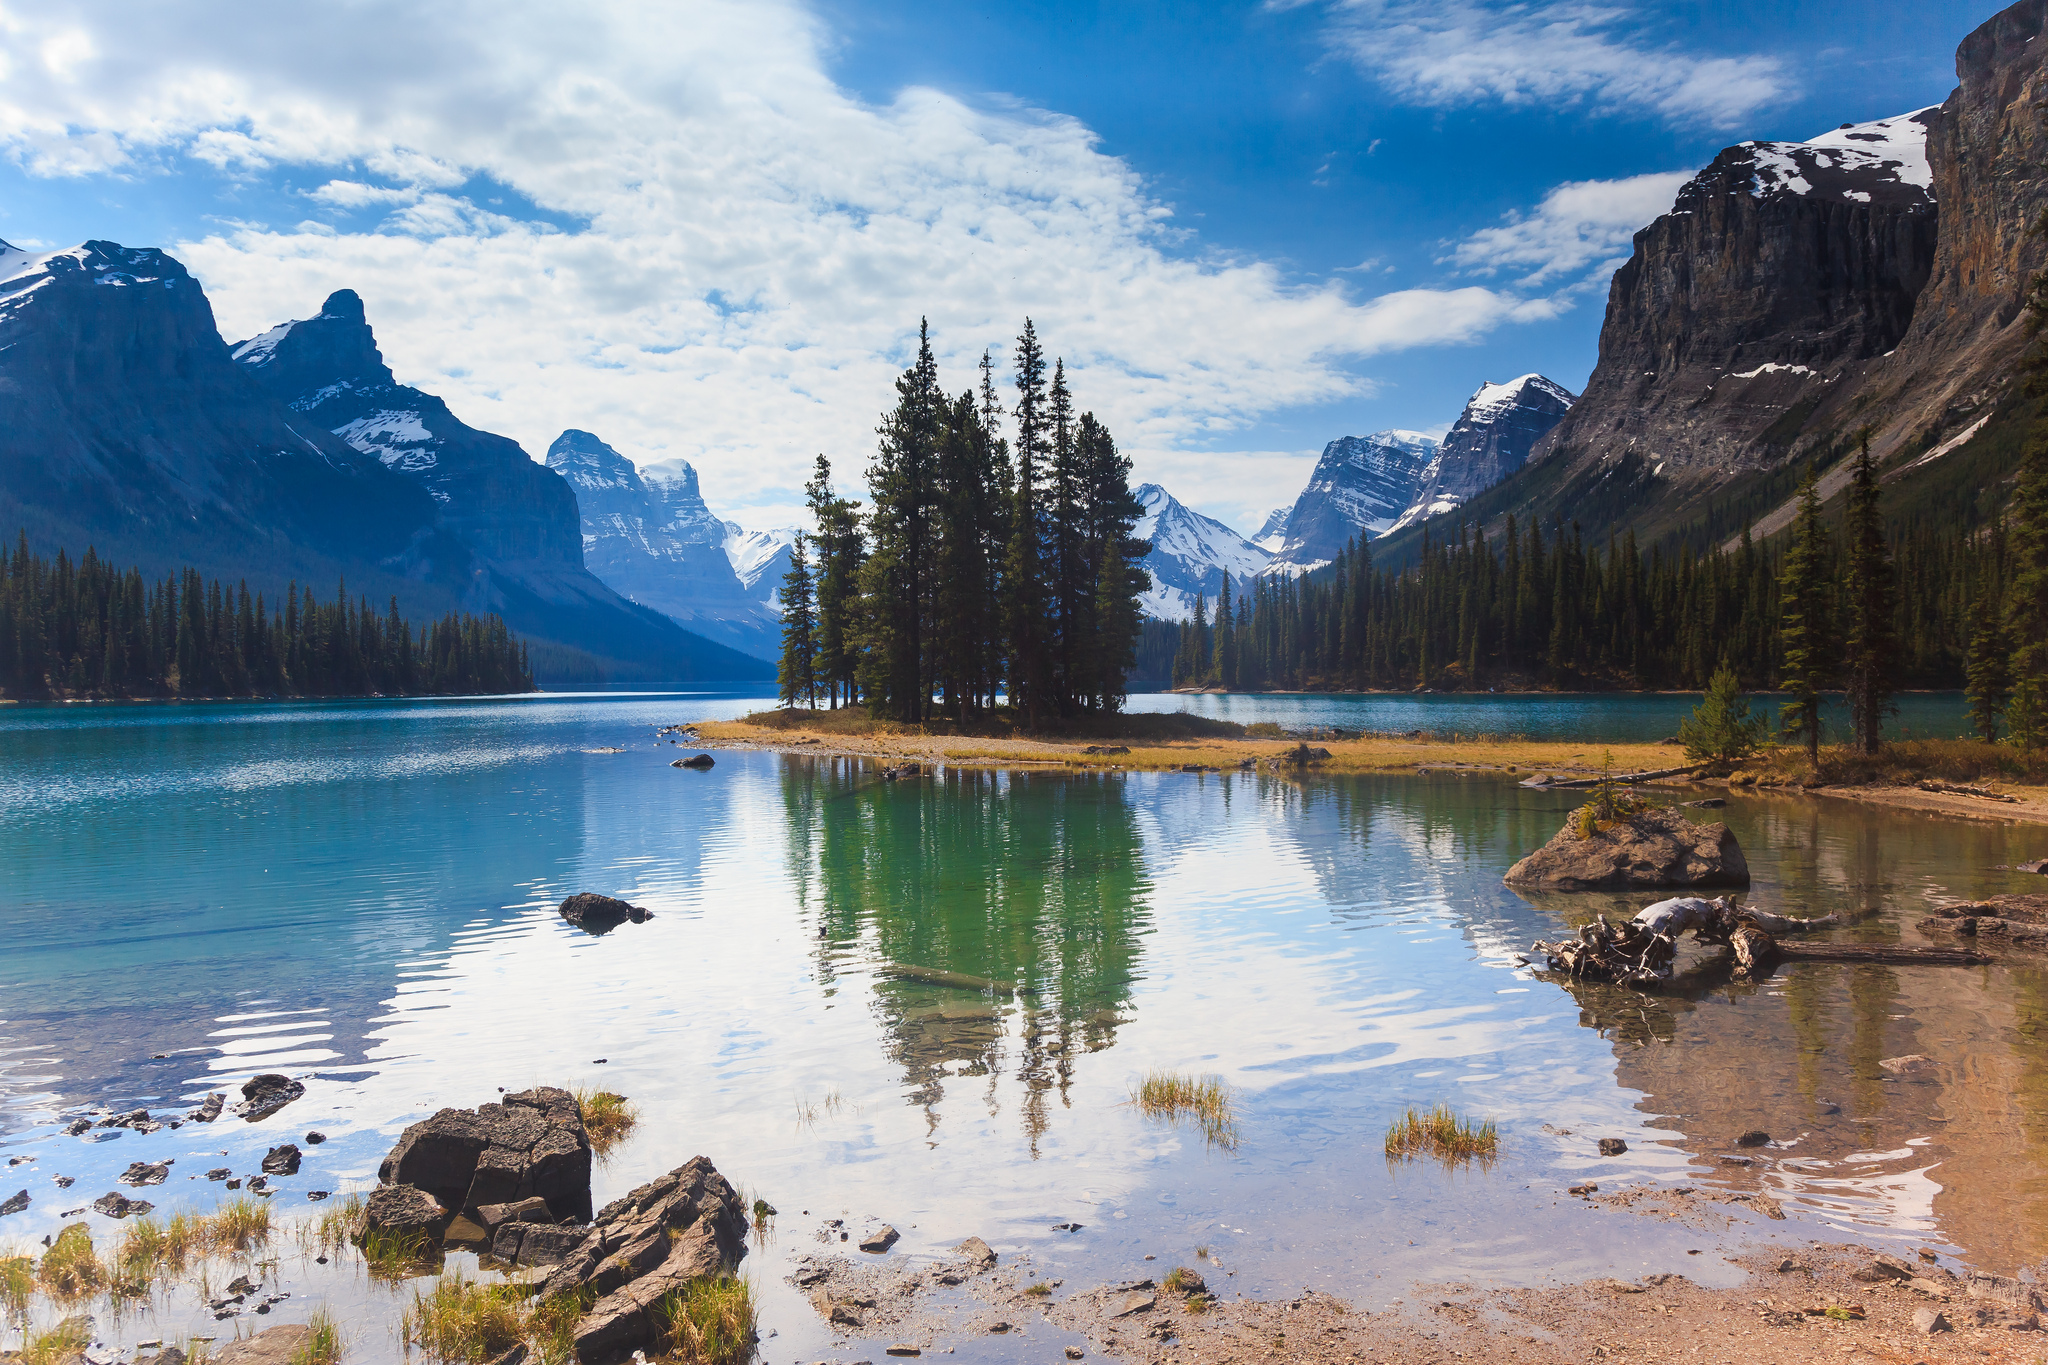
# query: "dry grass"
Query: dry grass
{"points": [[1902, 763], [323, 1344], [17, 1283], [397, 1255], [71, 1269], [1208, 1100], [462, 1322], [711, 1322], [238, 1225], [1043, 1289], [331, 1232], [608, 1118], [551, 1326], [60, 1344], [1441, 1133]]}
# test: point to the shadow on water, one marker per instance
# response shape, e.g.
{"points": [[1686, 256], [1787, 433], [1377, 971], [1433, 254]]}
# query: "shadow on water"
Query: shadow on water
{"points": [[1031, 883]]}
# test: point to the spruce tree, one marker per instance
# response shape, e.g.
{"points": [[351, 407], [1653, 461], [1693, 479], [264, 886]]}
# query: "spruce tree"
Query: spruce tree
{"points": [[1721, 729], [1226, 639], [1870, 640], [796, 675], [1987, 669], [2026, 601], [1023, 561], [840, 548], [1803, 621]]}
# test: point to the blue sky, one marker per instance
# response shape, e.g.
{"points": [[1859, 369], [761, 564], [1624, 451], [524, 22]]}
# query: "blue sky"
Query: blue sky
{"points": [[706, 232]]}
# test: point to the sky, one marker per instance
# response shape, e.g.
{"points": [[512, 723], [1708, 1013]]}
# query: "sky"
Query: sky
{"points": [[709, 231]]}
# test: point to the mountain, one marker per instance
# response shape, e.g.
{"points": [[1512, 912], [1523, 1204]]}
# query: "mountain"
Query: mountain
{"points": [[761, 559], [649, 536], [1190, 554], [1272, 531], [1361, 487], [516, 520], [1490, 440], [125, 426]]}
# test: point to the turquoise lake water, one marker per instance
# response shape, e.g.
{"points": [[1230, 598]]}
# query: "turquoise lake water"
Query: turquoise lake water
{"points": [[362, 894]]}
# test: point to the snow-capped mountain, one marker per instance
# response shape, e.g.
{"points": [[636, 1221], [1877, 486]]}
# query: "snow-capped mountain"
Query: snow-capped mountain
{"points": [[1190, 555], [761, 560], [1360, 487], [649, 534], [1489, 441], [1273, 530]]}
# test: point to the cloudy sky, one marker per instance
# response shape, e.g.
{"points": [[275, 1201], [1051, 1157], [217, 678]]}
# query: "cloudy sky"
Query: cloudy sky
{"points": [[708, 230]]}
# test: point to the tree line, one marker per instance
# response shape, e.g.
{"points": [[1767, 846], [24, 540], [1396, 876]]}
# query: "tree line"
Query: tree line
{"points": [[982, 568], [92, 630]]}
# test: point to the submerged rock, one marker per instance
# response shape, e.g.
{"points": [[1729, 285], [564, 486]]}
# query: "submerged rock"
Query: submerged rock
{"points": [[596, 914], [282, 1160], [141, 1173], [1654, 848], [120, 1206], [264, 1095], [530, 1145], [699, 761], [14, 1203], [209, 1108]]}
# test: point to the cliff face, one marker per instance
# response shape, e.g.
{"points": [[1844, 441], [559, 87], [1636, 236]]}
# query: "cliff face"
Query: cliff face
{"points": [[1782, 269], [1490, 440], [651, 538], [1360, 488], [124, 424]]}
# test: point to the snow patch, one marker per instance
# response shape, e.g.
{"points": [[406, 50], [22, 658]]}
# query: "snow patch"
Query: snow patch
{"points": [[1901, 139], [1772, 367], [1953, 443]]}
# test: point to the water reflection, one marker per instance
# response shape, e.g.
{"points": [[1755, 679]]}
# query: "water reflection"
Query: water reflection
{"points": [[1032, 883]]}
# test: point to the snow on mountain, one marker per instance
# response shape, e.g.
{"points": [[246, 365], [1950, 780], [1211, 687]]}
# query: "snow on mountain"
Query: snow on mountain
{"points": [[1272, 531], [1360, 487], [1883, 161], [1902, 140], [1490, 440], [760, 559], [1190, 554]]}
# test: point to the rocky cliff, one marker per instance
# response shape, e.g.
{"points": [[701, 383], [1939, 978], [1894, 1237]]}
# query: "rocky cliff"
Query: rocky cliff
{"points": [[1360, 488], [124, 425], [1490, 440], [652, 538]]}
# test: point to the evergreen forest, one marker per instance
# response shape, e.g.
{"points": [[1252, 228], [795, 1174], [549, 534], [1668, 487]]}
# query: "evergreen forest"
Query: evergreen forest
{"points": [[92, 630], [980, 567]]}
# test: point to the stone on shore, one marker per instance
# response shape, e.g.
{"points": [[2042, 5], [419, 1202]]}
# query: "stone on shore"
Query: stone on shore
{"points": [[274, 1346], [14, 1203], [978, 1254], [530, 1145], [264, 1095], [209, 1109], [403, 1210], [880, 1240], [1654, 848], [120, 1206]]}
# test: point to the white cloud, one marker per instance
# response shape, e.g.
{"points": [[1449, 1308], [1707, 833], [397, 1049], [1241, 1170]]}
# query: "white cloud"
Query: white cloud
{"points": [[1581, 229], [749, 249], [1451, 52]]}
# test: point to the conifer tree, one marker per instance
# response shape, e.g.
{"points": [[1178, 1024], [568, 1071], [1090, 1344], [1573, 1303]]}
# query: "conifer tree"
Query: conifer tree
{"points": [[1870, 641], [796, 675], [1721, 729], [1226, 639], [1987, 667], [1804, 617], [1024, 594], [840, 548]]}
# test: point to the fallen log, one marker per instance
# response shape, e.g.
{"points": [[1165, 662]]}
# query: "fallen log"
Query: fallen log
{"points": [[1546, 781], [1879, 952], [939, 976]]}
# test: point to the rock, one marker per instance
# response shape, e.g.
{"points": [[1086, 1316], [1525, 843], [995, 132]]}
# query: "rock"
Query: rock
{"points": [[531, 1144], [404, 1210], [259, 1183], [315, 1196], [209, 1109], [14, 1203], [1587, 1188], [1711, 803], [282, 1160], [1075, 1353], [220, 1173], [1904, 1066], [514, 1355], [234, 1184], [65, 1182], [137, 1119], [464, 1232], [2016, 1295], [1652, 849], [2039, 867], [273, 1346], [519, 1211], [685, 1226], [77, 1126], [1185, 1282], [1884, 1268], [879, 1240], [838, 1312], [264, 1095], [902, 1350], [1612, 1146], [699, 761], [1755, 1137], [1928, 1321], [140, 1173], [1137, 1301], [978, 1254], [169, 1355], [1787, 1266], [518, 1243], [120, 1206], [315, 1139], [1919, 1284], [589, 911]]}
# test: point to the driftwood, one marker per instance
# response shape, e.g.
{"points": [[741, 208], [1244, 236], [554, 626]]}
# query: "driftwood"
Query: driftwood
{"points": [[1547, 782], [1640, 951]]}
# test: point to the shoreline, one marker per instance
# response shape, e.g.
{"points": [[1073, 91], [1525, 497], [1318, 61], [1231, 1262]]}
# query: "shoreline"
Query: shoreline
{"points": [[1500, 758]]}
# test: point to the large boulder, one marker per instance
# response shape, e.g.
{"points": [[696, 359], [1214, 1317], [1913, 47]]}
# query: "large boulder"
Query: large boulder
{"points": [[1653, 848], [595, 914], [530, 1145], [264, 1095], [686, 1226], [403, 1210]]}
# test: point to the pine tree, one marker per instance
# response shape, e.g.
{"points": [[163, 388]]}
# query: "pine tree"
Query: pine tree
{"points": [[1024, 606], [1988, 675], [1226, 639], [1804, 616], [840, 547], [1721, 729], [796, 675], [1870, 640]]}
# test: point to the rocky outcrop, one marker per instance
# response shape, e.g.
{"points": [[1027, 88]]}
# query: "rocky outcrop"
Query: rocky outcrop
{"points": [[595, 914], [1656, 848], [1999, 922], [403, 1211], [531, 1145], [685, 1226], [264, 1095]]}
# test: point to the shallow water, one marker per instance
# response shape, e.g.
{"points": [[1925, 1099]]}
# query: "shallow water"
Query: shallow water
{"points": [[362, 894]]}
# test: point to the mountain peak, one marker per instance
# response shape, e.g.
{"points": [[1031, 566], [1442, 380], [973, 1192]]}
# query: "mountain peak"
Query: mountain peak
{"points": [[345, 305], [1190, 554], [336, 345], [1490, 440]]}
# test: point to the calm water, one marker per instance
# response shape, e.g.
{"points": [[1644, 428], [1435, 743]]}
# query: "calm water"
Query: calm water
{"points": [[361, 894]]}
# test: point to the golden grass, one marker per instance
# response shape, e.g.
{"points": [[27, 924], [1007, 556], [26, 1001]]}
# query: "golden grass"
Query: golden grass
{"points": [[608, 1118], [240, 1223], [711, 1321], [323, 1344], [1179, 1280], [17, 1283], [1040, 1290], [59, 1344], [1208, 1100], [331, 1232], [72, 1268], [1901, 763], [551, 1326], [391, 1255], [1441, 1133], [462, 1322]]}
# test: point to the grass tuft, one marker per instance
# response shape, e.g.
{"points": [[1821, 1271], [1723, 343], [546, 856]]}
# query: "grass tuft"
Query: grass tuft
{"points": [[1441, 1133], [239, 1224], [462, 1322], [1179, 1280], [323, 1344], [551, 1325], [711, 1321], [62, 1343], [71, 1269], [1040, 1290], [393, 1255], [608, 1118], [1208, 1100], [17, 1283], [333, 1230]]}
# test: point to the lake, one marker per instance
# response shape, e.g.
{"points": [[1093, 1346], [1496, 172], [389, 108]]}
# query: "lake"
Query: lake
{"points": [[362, 894]]}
